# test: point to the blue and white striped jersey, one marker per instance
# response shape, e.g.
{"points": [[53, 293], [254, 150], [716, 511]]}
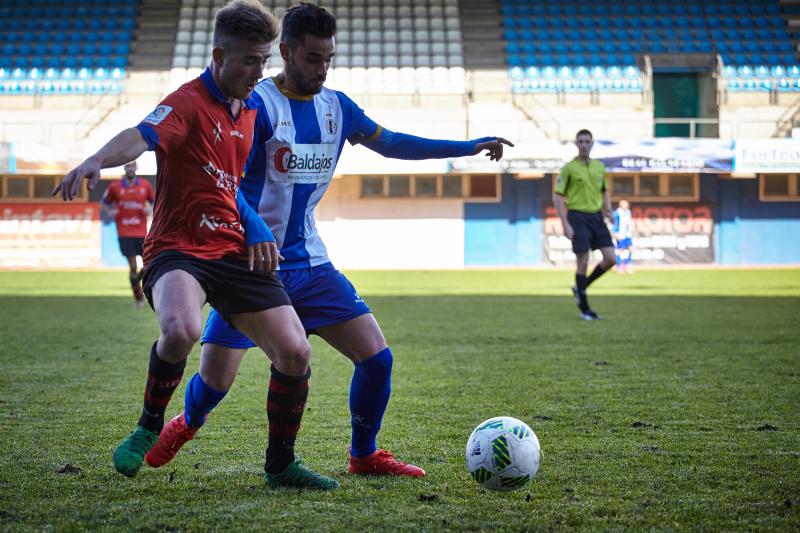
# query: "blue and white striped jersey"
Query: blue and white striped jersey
{"points": [[623, 223], [296, 145]]}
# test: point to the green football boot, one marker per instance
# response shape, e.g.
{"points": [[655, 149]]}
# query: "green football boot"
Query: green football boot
{"points": [[129, 455], [298, 476]]}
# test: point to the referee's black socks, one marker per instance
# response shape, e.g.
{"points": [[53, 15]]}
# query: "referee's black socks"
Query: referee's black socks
{"points": [[581, 282], [596, 273]]}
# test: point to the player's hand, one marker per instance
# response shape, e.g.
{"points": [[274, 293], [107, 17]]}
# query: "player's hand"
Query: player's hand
{"points": [[569, 233], [70, 186], [494, 149], [263, 257]]}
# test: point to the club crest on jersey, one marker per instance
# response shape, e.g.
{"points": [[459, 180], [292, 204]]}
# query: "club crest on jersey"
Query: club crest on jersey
{"points": [[217, 131], [159, 113], [330, 124]]}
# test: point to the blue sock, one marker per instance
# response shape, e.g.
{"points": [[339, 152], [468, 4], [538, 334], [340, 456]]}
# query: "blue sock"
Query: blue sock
{"points": [[369, 395], [199, 400]]}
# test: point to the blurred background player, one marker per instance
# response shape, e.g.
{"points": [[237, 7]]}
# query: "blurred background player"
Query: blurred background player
{"points": [[582, 200], [300, 133], [129, 201], [623, 234]]}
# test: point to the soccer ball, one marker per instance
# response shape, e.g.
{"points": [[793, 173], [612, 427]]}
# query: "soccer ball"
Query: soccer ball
{"points": [[503, 454]]}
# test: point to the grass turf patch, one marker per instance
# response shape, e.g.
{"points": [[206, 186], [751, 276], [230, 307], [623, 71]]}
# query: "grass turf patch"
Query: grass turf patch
{"points": [[677, 411]]}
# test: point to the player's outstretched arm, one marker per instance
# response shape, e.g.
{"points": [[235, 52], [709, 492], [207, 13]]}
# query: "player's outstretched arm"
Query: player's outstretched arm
{"points": [[404, 146], [494, 149], [126, 146]]}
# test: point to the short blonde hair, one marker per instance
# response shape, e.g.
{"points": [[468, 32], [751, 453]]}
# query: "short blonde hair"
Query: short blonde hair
{"points": [[244, 20]]}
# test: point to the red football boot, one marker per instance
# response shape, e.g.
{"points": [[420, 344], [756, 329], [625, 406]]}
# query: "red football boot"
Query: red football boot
{"points": [[382, 463], [174, 435]]}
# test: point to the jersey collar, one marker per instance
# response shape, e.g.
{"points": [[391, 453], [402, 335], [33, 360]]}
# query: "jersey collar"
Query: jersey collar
{"points": [[289, 94], [211, 86], [213, 89], [125, 182]]}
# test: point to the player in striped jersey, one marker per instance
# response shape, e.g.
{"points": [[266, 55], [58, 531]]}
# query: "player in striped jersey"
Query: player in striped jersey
{"points": [[623, 235], [300, 133]]}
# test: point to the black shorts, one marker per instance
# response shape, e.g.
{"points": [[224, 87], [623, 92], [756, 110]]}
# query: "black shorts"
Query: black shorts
{"points": [[131, 246], [591, 232], [230, 286]]}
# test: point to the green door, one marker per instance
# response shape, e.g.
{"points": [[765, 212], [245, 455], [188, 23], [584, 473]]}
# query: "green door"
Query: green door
{"points": [[675, 96]]}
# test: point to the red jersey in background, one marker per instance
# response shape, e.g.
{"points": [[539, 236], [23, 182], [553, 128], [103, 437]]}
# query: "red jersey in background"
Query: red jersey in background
{"points": [[130, 201]]}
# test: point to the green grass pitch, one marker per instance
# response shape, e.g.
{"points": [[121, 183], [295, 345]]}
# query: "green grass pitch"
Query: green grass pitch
{"points": [[679, 411]]}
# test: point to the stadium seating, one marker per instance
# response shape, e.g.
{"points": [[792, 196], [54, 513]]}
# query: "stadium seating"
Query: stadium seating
{"points": [[374, 33], [549, 45], [65, 47]]}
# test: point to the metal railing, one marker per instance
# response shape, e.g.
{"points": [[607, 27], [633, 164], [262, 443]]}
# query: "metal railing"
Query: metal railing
{"points": [[692, 122]]}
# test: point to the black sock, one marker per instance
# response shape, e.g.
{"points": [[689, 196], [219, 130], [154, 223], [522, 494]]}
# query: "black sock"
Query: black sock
{"points": [[581, 283], [286, 401], [162, 379], [596, 273]]}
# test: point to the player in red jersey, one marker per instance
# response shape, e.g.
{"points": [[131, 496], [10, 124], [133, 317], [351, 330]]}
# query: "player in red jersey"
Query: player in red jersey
{"points": [[129, 202], [203, 234]]}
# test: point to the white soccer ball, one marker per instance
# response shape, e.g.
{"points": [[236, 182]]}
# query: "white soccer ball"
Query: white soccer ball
{"points": [[503, 454]]}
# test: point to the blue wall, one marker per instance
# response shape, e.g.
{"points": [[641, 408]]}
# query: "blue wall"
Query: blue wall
{"points": [[747, 231], [109, 246], [506, 233]]}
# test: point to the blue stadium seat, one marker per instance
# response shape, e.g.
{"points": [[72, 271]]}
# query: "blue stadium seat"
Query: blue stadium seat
{"points": [[778, 71], [532, 73], [581, 72], [516, 73], [735, 46], [762, 72]]}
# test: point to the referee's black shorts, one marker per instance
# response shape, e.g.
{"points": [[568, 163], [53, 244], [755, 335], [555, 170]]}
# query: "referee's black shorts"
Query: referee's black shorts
{"points": [[591, 232], [230, 286], [131, 246]]}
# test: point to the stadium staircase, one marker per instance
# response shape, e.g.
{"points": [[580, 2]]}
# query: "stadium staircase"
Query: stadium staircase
{"points": [[481, 28], [154, 41]]}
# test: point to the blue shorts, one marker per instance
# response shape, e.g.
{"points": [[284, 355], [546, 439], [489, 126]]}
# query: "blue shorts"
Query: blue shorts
{"points": [[321, 296], [624, 244]]}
